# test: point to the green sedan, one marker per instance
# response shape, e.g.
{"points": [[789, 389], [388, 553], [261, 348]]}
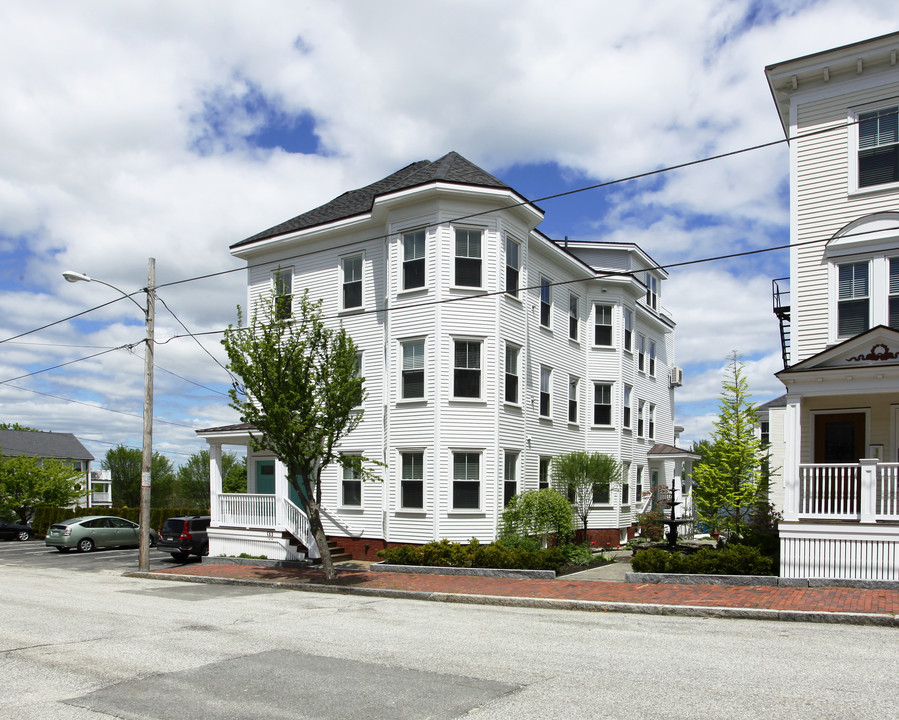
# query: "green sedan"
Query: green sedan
{"points": [[94, 531]]}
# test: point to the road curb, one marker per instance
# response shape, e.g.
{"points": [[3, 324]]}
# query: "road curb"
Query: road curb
{"points": [[869, 619]]}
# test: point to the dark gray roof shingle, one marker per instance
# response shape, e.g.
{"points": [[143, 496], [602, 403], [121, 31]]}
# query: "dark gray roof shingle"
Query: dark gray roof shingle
{"points": [[451, 168], [62, 446]]}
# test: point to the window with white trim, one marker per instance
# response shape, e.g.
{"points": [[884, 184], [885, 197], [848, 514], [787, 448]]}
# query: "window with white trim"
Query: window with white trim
{"points": [[638, 490], [628, 329], [412, 484], [510, 476], [640, 410], [513, 266], [545, 391], [282, 282], [625, 483], [357, 372], [878, 147], [652, 295], [351, 488], [545, 302], [466, 481], [413, 260], [413, 385], [853, 308], [351, 294], [652, 421], [602, 404], [600, 494], [626, 407], [893, 312], [652, 358], [573, 315], [543, 472], [641, 352], [466, 368], [510, 393], [602, 325], [572, 399], [468, 257]]}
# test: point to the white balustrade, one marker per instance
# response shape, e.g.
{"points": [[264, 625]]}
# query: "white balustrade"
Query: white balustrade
{"points": [[887, 501], [866, 491], [245, 510]]}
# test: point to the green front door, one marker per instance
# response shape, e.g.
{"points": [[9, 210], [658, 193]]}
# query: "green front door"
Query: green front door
{"points": [[265, 477]]}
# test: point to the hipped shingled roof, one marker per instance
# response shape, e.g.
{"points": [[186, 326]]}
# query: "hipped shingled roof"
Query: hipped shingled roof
{"points": [[62, 446], [451, 168]]}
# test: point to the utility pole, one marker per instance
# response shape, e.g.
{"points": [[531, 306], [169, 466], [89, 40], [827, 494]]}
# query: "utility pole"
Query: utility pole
{"points": [[147, 456]]}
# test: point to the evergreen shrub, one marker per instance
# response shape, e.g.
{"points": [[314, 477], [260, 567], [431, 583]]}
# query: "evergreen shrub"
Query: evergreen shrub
{"points": [[729, 560]]}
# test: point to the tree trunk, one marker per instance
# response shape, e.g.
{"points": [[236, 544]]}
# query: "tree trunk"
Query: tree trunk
{"points": [[318, 531]]}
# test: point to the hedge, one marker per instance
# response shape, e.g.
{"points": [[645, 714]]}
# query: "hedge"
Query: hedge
{"points": [[729, 560], [44, 517], [495, 555]]}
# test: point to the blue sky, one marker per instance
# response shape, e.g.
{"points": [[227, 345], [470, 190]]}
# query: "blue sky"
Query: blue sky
{"points": [[173, 129]]}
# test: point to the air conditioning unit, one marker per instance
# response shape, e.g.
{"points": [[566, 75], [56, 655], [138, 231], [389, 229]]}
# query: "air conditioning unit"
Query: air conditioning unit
{"points": [[676, 376]]}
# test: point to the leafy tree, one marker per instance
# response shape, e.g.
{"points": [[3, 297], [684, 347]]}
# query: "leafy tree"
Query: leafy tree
{"points": [[193, 477], [125, 466], [301, 392], [538, 513], [730, 483], [583, 477], [26, 482], [16, 426]]}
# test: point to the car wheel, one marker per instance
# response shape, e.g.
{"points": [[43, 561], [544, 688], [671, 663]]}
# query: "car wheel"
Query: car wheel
{"points": [[180, 556], [23, 535], [205, 551], [85, 545], [152, 541], [63, 549]]}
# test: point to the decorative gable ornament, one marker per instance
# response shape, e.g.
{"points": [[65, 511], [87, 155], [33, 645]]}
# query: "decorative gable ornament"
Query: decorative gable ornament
{"points": [[875, 355]]}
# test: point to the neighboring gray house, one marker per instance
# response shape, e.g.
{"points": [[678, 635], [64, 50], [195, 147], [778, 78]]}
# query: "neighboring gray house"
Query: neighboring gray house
{"points": [[59, 446]]}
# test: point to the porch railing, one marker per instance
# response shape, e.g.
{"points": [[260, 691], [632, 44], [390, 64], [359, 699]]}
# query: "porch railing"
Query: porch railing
{"points": [[245, 510], [867, 491]]}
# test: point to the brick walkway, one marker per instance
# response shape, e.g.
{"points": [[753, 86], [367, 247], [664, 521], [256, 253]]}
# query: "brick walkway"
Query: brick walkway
{"points": [[880, 602]]}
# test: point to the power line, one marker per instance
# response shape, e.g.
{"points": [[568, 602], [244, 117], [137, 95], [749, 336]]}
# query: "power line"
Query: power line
{"points": [[66, 319], [196, 339]]}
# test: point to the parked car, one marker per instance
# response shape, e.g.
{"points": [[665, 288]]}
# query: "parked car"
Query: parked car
{"points": [[13, 531], [93, 531], [185, 536]]}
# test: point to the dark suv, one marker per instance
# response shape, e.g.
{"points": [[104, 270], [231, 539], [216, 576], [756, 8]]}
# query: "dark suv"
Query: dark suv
{"points": [[184, 536]]}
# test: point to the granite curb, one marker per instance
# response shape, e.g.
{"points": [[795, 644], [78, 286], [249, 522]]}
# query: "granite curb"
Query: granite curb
{"points": [[848, 618]]}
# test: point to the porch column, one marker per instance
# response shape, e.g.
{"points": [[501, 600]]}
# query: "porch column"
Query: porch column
{"points": [[868, 490], [281, 492], [792, 440], [215, 481]]}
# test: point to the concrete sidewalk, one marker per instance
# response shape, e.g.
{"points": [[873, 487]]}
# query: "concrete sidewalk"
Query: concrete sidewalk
{"points": [[599, 589]]}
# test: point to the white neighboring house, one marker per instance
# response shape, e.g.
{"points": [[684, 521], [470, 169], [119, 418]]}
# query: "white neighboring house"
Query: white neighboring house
{"points": [[64, 447], [487, 348], [840, 313]]}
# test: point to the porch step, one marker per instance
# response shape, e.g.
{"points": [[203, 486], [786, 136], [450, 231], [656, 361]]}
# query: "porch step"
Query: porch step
{"points": [[338, 554]]}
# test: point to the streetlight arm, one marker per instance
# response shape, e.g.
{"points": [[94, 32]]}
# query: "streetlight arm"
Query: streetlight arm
{"points": [[73, 277]]}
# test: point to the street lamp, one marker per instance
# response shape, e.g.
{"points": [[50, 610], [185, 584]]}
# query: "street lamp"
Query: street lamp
{"points": [[147, 456]]}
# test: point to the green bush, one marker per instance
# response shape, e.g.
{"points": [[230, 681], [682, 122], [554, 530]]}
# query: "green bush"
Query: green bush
{"points": [[540, 514], [650, 524], [578, 554], [729, 560], [495, 555]]}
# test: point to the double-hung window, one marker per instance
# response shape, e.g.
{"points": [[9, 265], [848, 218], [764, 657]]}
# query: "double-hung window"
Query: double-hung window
{"points": [[626, 409], [467, 369], [466, 481], [602, 404], [628, 329], [543, 472], [413, 369], [640, 411], [602, 325], [600, 494], [413, 260], [545, 391], [468, 257], [652, 295], [283, 286], [625, 484], [357, 374], [351, 487], [641, 352], [878, 147], [352, 282], [853, 314], [652, 357], [511, 381], [545, 302], [510, 476], [893, 319], [652, 421], [412, 484], [513, 266], [572, 399], [638, 490], [573, 304]]}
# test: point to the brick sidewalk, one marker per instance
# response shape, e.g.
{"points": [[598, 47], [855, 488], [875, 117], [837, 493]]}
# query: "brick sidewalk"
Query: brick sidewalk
{"points": [[878, 606]]}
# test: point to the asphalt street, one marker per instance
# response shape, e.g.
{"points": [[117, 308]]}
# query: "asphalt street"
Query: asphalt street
{"points": [[79, 643]]}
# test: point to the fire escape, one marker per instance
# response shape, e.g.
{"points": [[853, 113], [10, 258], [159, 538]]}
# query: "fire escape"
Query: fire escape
{"points": [[780, 296]]}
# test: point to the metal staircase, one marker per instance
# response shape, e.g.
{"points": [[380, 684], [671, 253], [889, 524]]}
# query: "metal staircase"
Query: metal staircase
{"points": [[780, 298]]}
